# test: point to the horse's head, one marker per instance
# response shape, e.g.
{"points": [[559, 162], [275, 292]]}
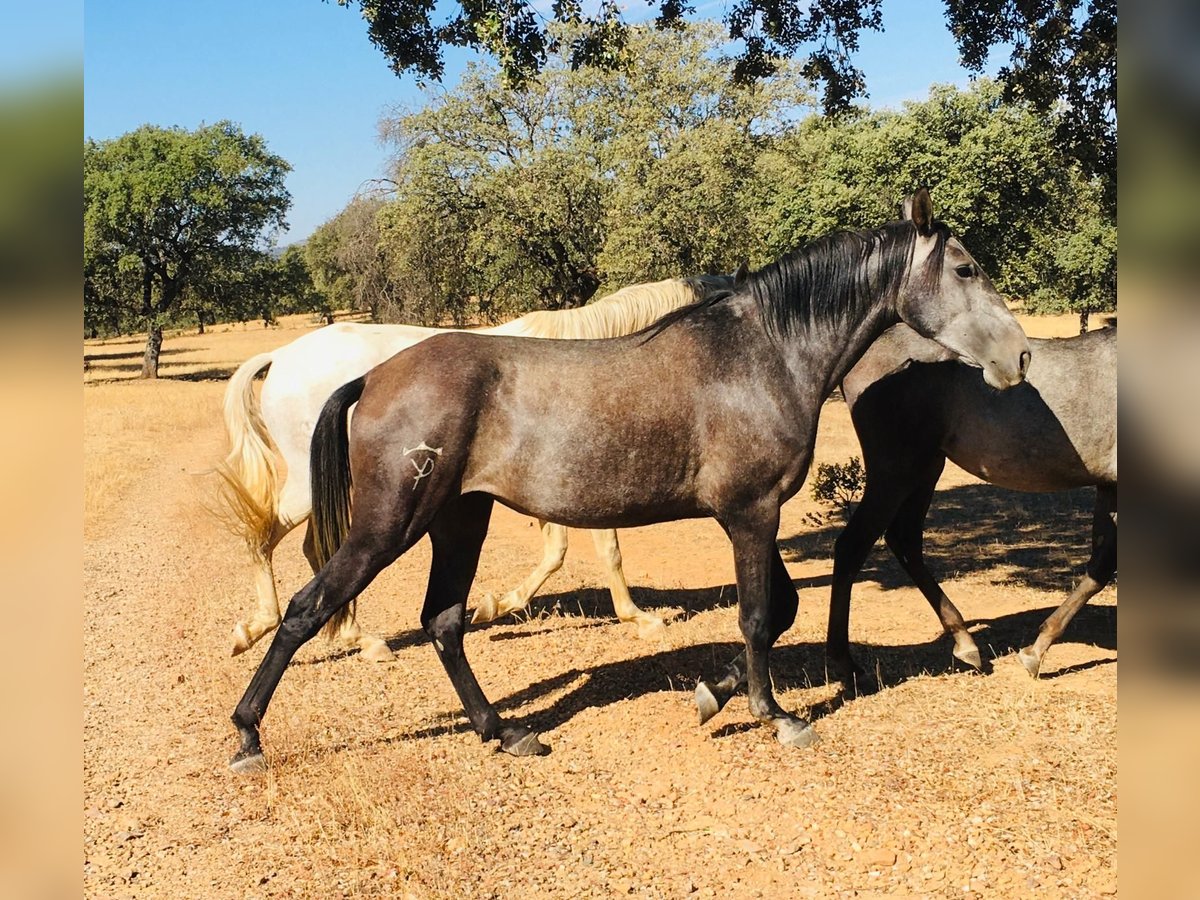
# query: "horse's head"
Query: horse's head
{"points": [[947, 297]]}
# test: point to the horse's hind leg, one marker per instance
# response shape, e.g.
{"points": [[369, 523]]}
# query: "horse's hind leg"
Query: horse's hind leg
{"points": [[554, 550], [608, 551], [711, 697], [350, 570], [294, 506], [265, 617], [906, 539], [457, 536], [1100, 570], [349, 634]]}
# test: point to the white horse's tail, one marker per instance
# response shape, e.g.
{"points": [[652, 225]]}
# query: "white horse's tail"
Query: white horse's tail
{"points": [[249, 476]]}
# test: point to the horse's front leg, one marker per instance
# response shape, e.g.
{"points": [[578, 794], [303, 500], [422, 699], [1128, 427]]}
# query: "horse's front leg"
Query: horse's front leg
{"points": [[608, 551], [754, 552], [554, 551], [711, 697]]}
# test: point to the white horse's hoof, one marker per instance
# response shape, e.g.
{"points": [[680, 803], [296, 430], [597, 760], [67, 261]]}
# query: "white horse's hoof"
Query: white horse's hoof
{"points": [[1030, 660], [486, 610], [241, 639], [795, 733], [375, 650], [651, 628]]}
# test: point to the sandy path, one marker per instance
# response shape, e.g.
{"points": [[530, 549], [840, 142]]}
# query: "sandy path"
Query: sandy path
{"points": [[942, 784]]}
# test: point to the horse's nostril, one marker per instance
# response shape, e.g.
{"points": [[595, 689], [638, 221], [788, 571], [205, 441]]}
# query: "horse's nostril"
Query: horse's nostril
{"points": [[1024, 367]]}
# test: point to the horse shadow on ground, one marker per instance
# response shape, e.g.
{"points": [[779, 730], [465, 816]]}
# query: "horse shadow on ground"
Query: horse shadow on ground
{"points": [[793, 666], [1034, 540]]}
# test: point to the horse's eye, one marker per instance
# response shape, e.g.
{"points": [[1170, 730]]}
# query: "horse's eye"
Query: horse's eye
{"points": [[964, 271]]}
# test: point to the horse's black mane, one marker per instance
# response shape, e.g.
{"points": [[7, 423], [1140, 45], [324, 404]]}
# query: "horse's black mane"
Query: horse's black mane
{"points": [[827, 280]]}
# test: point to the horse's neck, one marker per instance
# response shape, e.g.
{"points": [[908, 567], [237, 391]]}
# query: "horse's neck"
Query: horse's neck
{"points": [[828, 350]]}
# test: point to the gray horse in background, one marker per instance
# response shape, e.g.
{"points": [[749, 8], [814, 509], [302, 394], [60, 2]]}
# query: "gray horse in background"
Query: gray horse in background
{"points": [[914, 406]]}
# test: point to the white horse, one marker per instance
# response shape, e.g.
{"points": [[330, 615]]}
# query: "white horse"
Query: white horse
{"points": [[265, 505]]}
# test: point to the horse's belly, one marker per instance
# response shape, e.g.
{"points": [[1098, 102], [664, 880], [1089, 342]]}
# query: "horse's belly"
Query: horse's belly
{"points": [[588, 484], [1020, 468]]}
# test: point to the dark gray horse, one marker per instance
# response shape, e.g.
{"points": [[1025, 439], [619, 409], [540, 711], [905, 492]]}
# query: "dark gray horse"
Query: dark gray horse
{"points": [[710, 412], [913, 406]]}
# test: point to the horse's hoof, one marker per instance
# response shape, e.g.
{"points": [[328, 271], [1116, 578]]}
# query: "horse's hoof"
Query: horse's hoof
{"points": [[970, 656], [795, 733], [523, 743], [241, 639], [376, 650], [1030, 660], [707, 702], [248, 763], [651, 629], [485, 611], [846, 671]]}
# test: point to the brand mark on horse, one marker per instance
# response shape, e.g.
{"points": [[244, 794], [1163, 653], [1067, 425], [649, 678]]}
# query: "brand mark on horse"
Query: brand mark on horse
{"points": [[426, 465]]}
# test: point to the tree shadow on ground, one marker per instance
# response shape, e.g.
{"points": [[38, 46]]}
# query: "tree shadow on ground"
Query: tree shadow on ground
{"points": [[109, 374], [131, 354], [1036, 540], [219, 372]]}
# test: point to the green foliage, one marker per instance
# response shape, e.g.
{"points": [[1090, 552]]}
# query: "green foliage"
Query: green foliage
{"points": [[539, 196], [171, 214], [347, 263], [997, 175], [837, 486], [1064, 60], [581, 181], [1063, 53]]}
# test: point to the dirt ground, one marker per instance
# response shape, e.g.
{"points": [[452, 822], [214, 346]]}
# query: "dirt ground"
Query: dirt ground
{"points": [[944, 783]]}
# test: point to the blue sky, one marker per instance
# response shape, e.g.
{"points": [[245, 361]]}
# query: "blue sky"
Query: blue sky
{"points": [[303, 74]]}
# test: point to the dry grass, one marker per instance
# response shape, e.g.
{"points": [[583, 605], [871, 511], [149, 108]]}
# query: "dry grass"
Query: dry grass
{"points": [[942, 784]]}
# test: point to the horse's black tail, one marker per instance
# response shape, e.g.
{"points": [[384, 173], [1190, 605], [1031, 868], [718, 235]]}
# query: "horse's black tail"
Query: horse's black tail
{"points": [[329, 467]]}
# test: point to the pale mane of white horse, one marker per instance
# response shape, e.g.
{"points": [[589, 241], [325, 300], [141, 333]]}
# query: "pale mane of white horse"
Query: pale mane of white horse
{"points": [[262, 506], [623, 312]]}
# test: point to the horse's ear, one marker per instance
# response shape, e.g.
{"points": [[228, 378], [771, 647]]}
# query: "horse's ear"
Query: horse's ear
{"points": [[739, 277], [919, 210]]}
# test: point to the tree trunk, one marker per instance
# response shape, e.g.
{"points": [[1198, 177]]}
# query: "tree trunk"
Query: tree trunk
{"points": [[154, 338], [200, 330], [1083, 320]]}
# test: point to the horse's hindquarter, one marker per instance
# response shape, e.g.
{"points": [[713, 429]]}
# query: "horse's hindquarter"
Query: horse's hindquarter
{"points": [[305, 372]]}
